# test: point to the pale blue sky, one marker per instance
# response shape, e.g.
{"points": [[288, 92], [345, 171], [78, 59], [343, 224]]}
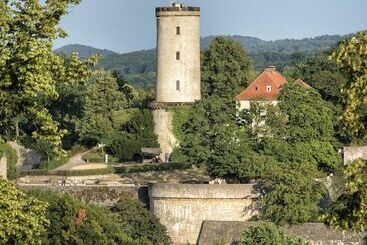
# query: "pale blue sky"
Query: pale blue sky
{"points": [[127, 25]]}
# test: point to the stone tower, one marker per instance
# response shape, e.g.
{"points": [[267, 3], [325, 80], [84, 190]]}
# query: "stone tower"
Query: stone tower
{"points": [[178, 67]]}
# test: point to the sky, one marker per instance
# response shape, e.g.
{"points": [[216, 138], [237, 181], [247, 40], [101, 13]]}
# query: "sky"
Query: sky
{"points": [[129, 25]]}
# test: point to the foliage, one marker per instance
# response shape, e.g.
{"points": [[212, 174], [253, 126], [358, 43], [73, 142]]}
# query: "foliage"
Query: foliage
{"points": [[139, 223], [23, 219], [268, 234], [29, 68], [291, 194], [225, 69], [73, 222], [138, 132], [349, 210], [351, 56], [180, 117], [12, 158], [95, 129], [54, 163]]}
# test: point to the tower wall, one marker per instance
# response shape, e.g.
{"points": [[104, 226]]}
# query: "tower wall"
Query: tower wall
{"points": [[178, 54]]}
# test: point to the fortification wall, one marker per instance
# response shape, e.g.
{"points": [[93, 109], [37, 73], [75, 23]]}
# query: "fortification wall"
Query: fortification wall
{"points": [[352, 153], [27, 158], [102, 195], [182, 208], [3, 167], [314, 233], [163, 129]]}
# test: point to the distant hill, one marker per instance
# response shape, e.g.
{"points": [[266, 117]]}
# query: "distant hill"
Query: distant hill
{"points": [[139, 67], [83, 50]]}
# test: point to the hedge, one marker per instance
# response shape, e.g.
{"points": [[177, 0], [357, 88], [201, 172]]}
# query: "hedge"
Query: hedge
{"points": [[110, 170]]}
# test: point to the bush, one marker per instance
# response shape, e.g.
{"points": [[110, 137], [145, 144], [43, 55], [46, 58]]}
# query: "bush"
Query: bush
{"points": [[55, 163], [268, 234], [73, 222], [139, 223], [22, 218], [12, 158]]}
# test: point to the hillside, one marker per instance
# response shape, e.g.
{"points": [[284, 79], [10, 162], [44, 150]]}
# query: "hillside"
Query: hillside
{"points": [[83, 50], [139, 67]]}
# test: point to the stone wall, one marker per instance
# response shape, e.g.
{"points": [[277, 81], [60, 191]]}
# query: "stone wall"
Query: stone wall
{"points": [[315, 233], [352, 153], [163, 129], [27, 158], [102, 195], [182, 208], [3, 167]]}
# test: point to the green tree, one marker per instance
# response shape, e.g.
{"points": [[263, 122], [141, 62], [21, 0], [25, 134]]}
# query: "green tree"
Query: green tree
{"points": [[139, 223], [73, 222], [22, 218], [268, 234], [225, 69], [29, 67], [351, 56], [349, 210], [211, 129]]}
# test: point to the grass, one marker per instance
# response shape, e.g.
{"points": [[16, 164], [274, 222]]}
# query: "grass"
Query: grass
{"points": [[96, 156], [110, 170], [55, 163]]}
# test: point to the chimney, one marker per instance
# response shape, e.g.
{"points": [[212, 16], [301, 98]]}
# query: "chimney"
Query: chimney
{"points": [[273, 68]]}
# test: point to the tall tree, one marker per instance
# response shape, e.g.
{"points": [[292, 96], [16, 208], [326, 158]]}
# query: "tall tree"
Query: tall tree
{"points": [[28, 64], [225, 68], [351, 56]]}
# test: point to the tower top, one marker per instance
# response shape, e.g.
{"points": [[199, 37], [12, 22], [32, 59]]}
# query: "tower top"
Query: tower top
{"points": [[176, 6]]}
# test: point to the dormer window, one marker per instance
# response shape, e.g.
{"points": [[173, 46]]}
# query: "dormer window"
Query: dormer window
{"points": [[268, 88]]}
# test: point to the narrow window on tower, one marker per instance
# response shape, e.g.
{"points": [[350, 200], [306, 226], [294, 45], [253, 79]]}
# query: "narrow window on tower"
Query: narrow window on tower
{"points": [[178, 85], [178, 30], [178, 56]]}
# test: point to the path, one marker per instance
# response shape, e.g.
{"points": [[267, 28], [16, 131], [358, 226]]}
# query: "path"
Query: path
{"points": [[74, 162]]}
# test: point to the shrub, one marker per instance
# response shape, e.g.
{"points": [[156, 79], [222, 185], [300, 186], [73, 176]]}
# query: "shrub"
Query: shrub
{"points": [[268, 234], [22, 218], [139, 223]]}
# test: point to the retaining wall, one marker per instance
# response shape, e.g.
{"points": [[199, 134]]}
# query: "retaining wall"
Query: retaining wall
{"points": [[182, 208]]}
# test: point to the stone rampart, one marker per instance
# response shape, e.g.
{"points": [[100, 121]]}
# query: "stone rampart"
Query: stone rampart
{"points": [[352, 153], [163, 129], [3, 167], [182, 208], [27, 158], [213, 232]]}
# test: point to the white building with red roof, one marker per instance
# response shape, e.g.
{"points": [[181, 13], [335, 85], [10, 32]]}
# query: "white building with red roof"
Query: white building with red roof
{"points": [[265, 87]]}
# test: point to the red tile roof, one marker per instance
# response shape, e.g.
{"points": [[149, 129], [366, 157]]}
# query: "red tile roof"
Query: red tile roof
{"points": [[258, 88], [302, 83]]}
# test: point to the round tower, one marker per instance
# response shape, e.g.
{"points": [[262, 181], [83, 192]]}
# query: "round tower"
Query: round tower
{"points": [[178, 54], [178, 69]]}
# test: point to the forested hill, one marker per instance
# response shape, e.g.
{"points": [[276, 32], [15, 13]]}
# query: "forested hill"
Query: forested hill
{"points": [[83, 50], [139, 67]]}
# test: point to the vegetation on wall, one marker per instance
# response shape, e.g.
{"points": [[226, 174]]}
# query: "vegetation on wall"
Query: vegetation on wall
{"points": [[12, 158], [268, 234]]}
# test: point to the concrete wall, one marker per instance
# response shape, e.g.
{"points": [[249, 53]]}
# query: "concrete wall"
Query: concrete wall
{"points": [[27, 158], [182, 208], [186, 70], [3, 167], [102, 195], [163, 129], [314, 233], [352, 153]]}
